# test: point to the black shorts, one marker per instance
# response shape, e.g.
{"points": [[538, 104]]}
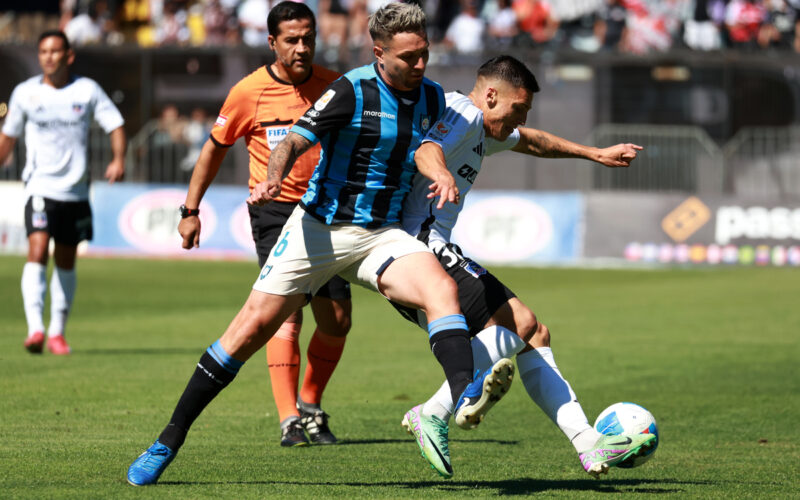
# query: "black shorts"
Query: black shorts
{"points": [[68, 222], [480, 293], [267, 222]]}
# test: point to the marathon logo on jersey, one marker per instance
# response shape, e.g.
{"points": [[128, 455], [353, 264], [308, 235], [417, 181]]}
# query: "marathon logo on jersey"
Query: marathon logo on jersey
{"points": [[275, 135], [324, 100], [221, 121], [439, 131], [379, 114]]}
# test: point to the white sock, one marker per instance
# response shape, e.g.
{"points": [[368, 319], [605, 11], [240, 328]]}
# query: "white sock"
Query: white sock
{"points": [[548, 389], [34, 288], [488, 347], [62, 290]]}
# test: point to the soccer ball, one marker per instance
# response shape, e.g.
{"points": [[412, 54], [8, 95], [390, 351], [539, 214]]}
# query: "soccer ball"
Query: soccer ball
{"points": [[628, 418]]}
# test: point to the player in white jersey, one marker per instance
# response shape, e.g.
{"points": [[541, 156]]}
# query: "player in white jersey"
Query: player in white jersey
{"points": [[487, 121], [55, 110]]}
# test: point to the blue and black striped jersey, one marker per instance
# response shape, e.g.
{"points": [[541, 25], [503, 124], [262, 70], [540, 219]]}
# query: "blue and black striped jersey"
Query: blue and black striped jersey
{"points": [[369, 133]]}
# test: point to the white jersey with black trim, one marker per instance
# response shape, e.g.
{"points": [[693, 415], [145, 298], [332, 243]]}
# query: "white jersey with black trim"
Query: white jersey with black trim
{"points": [[56, 124], [461, 136]]}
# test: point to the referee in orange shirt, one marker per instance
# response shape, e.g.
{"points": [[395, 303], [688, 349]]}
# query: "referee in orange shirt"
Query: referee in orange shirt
{"points": [[262, 107]]}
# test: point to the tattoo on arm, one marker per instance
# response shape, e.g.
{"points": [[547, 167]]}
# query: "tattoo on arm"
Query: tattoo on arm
{"points": [[543, 146], [284, 155], [546, 145]]}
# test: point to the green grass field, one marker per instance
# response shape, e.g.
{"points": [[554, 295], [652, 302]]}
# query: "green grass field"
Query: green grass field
{"points": [[714, 354]]}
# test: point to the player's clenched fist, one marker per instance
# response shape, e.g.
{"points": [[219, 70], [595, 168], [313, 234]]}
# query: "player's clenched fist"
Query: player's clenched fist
{"points": [[264, 192], [189, 229]]}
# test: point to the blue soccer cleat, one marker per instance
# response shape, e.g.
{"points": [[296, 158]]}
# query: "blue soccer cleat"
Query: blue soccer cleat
{"points": [[483, 392], [148, 467]]}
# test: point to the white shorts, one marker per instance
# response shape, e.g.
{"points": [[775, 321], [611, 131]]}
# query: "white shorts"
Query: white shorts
{"points": [[309, 253]]}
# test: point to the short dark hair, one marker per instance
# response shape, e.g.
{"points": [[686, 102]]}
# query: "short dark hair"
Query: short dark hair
{"points": [[288, 11], [509, 70], [56, 33]]}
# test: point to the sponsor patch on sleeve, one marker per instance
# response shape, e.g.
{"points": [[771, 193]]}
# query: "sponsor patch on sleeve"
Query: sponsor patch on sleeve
{"points": [[324, 100], [221, 121], [439, 131]]}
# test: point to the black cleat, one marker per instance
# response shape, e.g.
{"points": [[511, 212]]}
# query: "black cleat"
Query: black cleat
{"points": [[292, 434], [316, 424]]}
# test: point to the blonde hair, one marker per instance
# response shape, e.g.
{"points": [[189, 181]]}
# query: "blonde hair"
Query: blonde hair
{"points": [[396, 17]]}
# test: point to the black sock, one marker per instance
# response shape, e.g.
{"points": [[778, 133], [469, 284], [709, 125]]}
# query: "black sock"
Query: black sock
{"points": [[213, 373], [454, 351]]}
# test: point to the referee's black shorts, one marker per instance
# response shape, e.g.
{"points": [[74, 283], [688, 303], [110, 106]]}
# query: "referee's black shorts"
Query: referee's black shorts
{"points": [[267, 222], [67, 222]]}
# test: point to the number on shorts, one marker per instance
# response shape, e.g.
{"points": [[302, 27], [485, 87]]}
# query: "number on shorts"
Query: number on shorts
{"points": [[451, 253], [281, 246]]}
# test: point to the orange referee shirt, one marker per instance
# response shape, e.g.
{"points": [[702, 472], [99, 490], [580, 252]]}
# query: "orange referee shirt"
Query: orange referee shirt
{"points": [[263, 108]]}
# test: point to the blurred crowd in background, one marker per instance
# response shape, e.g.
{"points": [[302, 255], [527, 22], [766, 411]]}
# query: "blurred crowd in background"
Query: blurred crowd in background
{"points": [[456, 26]]}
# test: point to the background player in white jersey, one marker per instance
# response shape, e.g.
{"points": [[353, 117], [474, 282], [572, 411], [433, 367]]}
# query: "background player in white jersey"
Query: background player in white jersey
{"points": [[55, 110], [487, 121]]}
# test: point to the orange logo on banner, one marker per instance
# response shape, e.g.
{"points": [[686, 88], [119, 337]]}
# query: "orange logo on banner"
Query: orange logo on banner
{"points": [[686, 219]]}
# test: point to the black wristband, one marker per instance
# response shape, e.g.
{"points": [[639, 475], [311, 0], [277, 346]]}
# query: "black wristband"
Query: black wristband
{"points": [[188, 212]]}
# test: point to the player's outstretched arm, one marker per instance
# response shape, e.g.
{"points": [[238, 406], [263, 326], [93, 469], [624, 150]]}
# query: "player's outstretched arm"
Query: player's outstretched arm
{"points": [[280, 164], [119, 144], [203, 174], [546, 145], [431, 163], [6, 146]]}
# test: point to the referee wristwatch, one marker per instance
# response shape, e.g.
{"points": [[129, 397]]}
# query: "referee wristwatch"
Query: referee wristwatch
{"points": [[188, 212]]}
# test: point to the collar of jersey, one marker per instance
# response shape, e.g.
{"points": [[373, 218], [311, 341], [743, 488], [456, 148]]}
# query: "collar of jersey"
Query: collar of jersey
{"points": [[412, 95], [284, 82]]}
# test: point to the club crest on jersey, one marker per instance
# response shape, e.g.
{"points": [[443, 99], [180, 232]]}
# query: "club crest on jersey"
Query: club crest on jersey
{"points": [[275, 135], [425, 123], [77, 107], [221, 121], [324, 100]]}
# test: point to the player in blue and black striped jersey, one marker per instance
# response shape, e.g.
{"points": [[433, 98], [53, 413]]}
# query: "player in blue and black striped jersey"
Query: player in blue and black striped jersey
{"points": [[369, 132], [370, 122]]}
